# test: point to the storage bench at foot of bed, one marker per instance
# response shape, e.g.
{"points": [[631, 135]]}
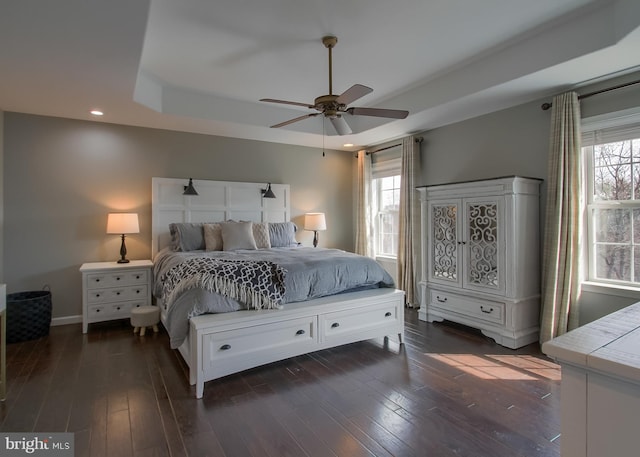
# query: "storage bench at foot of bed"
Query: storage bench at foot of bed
{"points": [[222, 344]]}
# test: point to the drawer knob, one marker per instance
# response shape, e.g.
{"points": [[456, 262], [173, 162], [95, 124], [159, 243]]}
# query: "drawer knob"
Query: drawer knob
{"points": [[118, 308], [484, 310], [440, 299], [335, 325], [97, 295], [117, 293], [300, 332], [117, 278], [137, 291], [137, 276], [224, 347], [387, 314], [98, 280]]}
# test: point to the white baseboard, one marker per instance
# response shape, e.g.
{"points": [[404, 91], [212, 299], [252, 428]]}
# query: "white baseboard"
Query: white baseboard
{"points": [[66, 320]]}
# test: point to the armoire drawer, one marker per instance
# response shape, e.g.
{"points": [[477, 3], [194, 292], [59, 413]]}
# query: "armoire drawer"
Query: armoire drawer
{"points": [[481, 309]]}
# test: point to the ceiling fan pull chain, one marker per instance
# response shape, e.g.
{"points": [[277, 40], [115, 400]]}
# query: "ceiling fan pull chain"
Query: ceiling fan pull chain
{"points": [[323, 130]]}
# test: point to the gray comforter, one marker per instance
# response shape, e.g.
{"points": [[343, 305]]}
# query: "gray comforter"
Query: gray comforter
{"points": [[310, 273]]}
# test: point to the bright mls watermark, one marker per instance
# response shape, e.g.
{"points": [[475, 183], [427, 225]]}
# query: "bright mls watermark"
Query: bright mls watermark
{"points": [[36, 444]]}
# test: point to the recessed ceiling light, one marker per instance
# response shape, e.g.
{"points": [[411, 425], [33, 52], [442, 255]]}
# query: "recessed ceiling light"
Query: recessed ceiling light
{"points": [[348, 145], [96, 112]]}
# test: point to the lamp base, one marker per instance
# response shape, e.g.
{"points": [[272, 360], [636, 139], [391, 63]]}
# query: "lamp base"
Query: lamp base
{"points": [[315, 238], [123, 252]]}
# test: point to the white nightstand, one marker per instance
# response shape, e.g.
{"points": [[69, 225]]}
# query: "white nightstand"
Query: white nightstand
{"points": [[110, 290]]}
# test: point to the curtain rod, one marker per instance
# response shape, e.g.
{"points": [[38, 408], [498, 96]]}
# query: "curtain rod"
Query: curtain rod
{"points": [[417, 140], [546, 106]]}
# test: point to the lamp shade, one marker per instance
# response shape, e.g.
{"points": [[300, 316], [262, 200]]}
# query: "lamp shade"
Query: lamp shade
{"points": [[315, 221], [122, 223], [189, 189], [268, 193]]}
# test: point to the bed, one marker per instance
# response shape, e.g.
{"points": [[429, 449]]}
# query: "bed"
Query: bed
{"points": [[255, 302]]}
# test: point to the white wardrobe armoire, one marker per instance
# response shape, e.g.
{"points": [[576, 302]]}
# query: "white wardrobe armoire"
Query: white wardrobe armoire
{"points": [[481, 257]]}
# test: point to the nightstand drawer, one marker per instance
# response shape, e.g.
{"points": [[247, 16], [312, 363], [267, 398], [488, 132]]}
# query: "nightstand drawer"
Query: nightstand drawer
{"points": [[115, 279], [117, 294], [113, 310]]}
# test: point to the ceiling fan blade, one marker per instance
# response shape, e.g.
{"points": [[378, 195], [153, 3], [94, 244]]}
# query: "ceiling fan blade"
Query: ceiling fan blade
{"points": [[353, 93], [379, 112], [284, 102], [291, 121], [341, 126]]}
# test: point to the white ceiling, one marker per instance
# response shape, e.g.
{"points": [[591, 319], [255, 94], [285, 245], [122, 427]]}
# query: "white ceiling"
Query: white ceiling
{"points": [[202, 65]]}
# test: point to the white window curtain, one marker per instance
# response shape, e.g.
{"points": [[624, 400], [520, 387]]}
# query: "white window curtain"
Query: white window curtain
{"points": [[409, 230], [561, 266], [364, 239]]}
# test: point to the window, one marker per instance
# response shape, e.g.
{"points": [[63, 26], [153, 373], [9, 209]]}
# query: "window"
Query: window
{"points": [[385, 186], [612, 158], [387, 203]]}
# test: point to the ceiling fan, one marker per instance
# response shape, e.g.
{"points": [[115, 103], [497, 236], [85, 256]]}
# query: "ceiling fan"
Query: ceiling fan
{"points": [[333, 106]]}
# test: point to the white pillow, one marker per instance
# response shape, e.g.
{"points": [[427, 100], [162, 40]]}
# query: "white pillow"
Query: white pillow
{"points": [[213, 237], [237, 235], [261, 235]]}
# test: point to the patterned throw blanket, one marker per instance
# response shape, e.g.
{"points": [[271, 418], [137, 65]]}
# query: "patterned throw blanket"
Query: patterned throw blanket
{"points": [[256, 284]]}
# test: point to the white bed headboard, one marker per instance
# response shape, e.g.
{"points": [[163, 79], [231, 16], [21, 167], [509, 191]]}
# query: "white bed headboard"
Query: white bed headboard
{"points": [[216, 201]]}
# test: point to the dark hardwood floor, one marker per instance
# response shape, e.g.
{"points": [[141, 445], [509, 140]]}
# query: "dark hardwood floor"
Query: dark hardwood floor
{"points": [[449, 392]]}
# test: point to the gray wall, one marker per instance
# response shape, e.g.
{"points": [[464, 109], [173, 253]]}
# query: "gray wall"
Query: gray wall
{"points": [[1, 195], [62, 177], [515, 141]]}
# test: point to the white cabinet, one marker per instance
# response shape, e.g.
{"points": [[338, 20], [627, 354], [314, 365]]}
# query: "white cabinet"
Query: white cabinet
{"points": [[480, 257], [110, 290]]}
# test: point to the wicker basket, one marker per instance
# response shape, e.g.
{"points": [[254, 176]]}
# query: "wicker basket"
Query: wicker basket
{"points": [[28, 315]]}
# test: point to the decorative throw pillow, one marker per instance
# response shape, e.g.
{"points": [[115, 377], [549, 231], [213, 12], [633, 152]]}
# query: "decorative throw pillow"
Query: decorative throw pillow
{"points": [[261, 235], [187, 236], [237, 235], [282, 234], [213, 237]]}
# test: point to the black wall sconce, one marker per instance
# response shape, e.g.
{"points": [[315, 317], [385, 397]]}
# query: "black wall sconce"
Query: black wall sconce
{"points": [[189, 189], [268, 193]]}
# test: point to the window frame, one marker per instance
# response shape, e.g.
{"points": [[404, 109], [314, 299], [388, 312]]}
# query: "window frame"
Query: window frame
{"points": [[386, 162], [590, 127], [377, 222]]}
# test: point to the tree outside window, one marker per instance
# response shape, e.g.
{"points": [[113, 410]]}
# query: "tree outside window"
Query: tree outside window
{"points": [[614, 204]]}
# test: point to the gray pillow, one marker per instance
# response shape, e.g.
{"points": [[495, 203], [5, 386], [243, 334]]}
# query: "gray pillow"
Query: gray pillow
{"points": [[237, 235], [282, 234], [187, 236]]}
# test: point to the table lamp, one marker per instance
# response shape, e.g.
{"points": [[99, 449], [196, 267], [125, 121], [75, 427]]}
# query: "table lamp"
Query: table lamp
{"points": [[121, 224], [315, 222]]}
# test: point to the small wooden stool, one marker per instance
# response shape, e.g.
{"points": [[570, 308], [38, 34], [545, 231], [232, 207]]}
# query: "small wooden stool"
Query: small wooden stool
{"points": [[143, 317]]}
